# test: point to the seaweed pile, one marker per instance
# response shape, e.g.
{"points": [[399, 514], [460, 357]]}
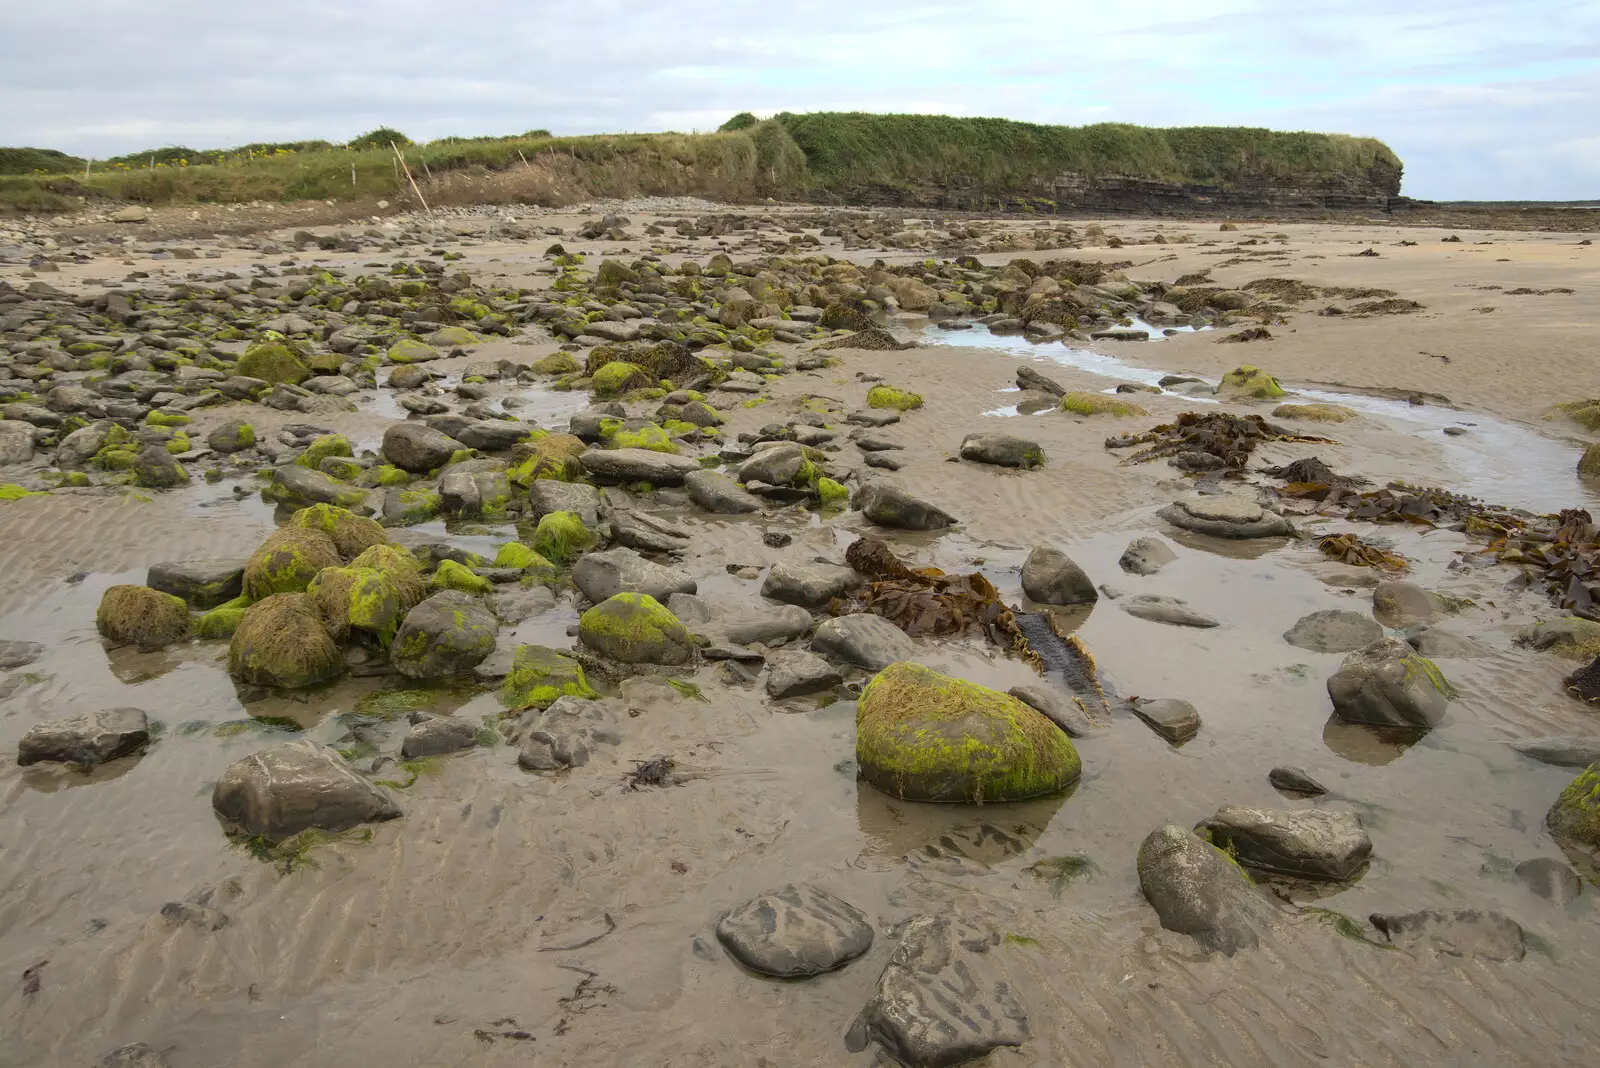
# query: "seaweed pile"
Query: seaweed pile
{"points": [[1229, 439], [1347, 548]]}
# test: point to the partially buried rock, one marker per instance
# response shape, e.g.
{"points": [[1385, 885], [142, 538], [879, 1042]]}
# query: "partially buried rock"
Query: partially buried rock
{"points": [[87, 740], [1050, 576], [283, 641], [635, 628], [809, 584], [202, 583], [295, 786], [1389, 684], [1333, 630], [638, 465], [186, 914], [140, 616], [942, 1000], [1574, 820], [1457, 932], [1174, 719], [795, 932], [1295, 781], [923, 736], [720, 494], [865, 640], [1158, 609], [449, 633], [1196, 890], [298, 487], [890, 506], [539, 676], [1002, 450], [15, 654], [1225, 517], [602, 575], [794, 673], [1400, 604], [1550, 879], [1304, 843], [566, 734], [1562, 751], [1146, 556], [437, 735], [768, 624], [136, 1055], [1066, 713], [417, 448]]}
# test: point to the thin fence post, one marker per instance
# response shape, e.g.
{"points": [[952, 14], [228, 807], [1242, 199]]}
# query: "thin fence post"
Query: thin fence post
{"points": [[86, 165], [410, 179]]}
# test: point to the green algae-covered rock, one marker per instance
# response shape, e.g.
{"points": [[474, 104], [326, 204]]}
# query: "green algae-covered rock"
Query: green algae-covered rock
{"points": [[562, 537], [323, 447], [551, 457], [452, 576], [635, 628], [138, 615], [400, 567], [1251, 382], [449, 633], [410, 350], [650, 436], [619, 377], [1574, 819], [899, 400], [273, 362], [557, 363], [1086, 403], [223, 620], [923, 736], [287, 562], [282, 642], [614, 273], [831, 493], [357, 599], [235, 435], [449, 337], [351, 534], [517, 555], [539, 676]]}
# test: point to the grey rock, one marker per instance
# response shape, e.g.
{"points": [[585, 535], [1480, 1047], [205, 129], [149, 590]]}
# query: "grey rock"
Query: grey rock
{"points": [[1225, 517], [1550, 879], [88, 739], [1385, 684], [810, 585], [794, 673], [514, 604], [774, 466], [867, 441], [1049, 576], [1062, 711], [1563, 752], [1028, 378], [638, 465], [300, 487], [1432, 640], [872, 417], [865, 640], [720, 494], [155, 468], [567, 733], [1174, 719], [1196, 890], [1295, 781], [15, 653], [1002, 450], [436, 736], [79, 447], [1146, 556], [942, 1000], [601, 575], [16, 442], [885, 461], [546, 495], [688, 608], [767, 624], [1457, 932], [640, 530], [225, 438], [1400, 604], [203, 583], [1304, 843], [890, 506], [417, 448], [1333, 630], [493, 435], [795, 932], [1171, 610], [136, 1055], [296, 785], [449, 633]]}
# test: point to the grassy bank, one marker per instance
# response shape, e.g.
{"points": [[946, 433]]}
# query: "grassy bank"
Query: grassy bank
{"points": [[788, 156]]}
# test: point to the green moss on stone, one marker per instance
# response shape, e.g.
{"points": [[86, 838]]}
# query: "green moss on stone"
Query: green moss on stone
{"points": [[889, 397], [540, 676], [561, 537], [325, 446], [223, 620], [635, 628], [273, 362], [1248, 381], [287, 562], [450, 575], [1083, 403]]}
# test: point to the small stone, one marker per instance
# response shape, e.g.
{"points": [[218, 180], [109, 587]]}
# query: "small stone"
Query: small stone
{"points": [[1196, 890], [1064, 712], [1174, 719], [1225, 517], [1146, 556], [436, 736], [87, 740], [15, 654], [1563, 752], [182, 913], [890, 506], [808, 584], [1002, 450], [621, 570], [294, 786], [1049, 576], [794, 673], [1295, 781], [1400, 604], [795, 932], [1388, 684], [1304, 843], [202, 583], [1171, 610], [1550, 879]]}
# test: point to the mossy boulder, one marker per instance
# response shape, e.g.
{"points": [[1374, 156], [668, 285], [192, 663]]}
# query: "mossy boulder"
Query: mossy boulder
{"points": [[649, 436], [1586, 413], [831, 493], [1085, 403], [517, 555], [557, 363], [287, 562], [449, 337], [614, 273], [233, 436], [351, 534], [1314, 413], [274, 362], [540, 676], [323, 447], [138, 615], [223, 620], [357, 599], [449, 633], [546, 456], [410, 350], [562, 537], [619, 377], [923, 736], [282, 641], [1574, 820], [635, 628], [1250, 382], [400, 568], [450, 575], [154, 468], [889, 397]]}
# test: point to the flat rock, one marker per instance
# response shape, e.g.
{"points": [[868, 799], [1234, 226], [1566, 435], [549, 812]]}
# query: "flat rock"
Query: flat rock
{"points": [[890, 506], [418, 448], [1050, 576], [767, 624], [1158, 609], [301, 487], [1225, 516], [1058, 709], [1550, 879], [1457, 932], [808, 584], [884, 461], [1401, 604], [296, 785], [1295, 781], [1333, 630], [567, 734], [720, 494], [1002, 450], [601, 575], [187, 914], [795, 932], [1146, 556], [1303, 843], [90, 739], [637, 529], [638, 465], [1562, 751], [546, 495], [203, 583], [136, 1055], [865, 640], [1174, 719], [15, 654], [1434, 641], [436, 736], [795, 673], [1196, 890], [942, 1000]]}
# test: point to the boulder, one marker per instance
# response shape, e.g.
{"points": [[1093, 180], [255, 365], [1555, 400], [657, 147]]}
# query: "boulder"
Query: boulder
{"points": [[567, 733], [300, 487], [767, 624], [282, 641], [1574, 820], [1401, 604], [433, 736], [602, 575], [293, 787], [810, 584], [890, 506], [1389, 684], [1146, 556], [547, 495], [1171, 610], [1303, 843], [795, 673], [1333, 630], [1049, 576], [449, 633], [1198, 891], [287, 562], [138, 615], [634, 628], [1225, 517], [539, 676], [720, 494], [638, 465], [418, 448], [942, 1000], [1175, 720], [1066, 713], [201, 583], [864, 640], [1456, 932], [795, 932], [1002, 450], [923, 736], [87, 740]]}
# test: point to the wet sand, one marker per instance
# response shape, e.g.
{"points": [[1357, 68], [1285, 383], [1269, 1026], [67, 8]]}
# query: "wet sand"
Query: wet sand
{"points": [[421, 943]]}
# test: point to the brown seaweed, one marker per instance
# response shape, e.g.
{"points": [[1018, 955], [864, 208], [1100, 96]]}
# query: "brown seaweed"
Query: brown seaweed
{"points": [[1349, 549], [1229, 438]]}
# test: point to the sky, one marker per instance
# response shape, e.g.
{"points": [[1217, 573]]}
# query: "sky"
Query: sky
{"points": [[1482, 99]]}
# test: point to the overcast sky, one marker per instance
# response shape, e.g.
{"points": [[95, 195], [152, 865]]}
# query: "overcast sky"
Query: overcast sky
{"points": [[1482, 99]]}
